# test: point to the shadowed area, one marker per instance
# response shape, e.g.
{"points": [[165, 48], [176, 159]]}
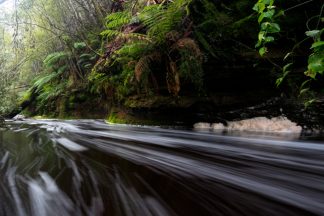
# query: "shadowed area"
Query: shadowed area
{"points": [[90, 168]]}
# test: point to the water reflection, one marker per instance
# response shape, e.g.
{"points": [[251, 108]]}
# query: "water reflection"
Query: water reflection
{"points": [[90, 168]]}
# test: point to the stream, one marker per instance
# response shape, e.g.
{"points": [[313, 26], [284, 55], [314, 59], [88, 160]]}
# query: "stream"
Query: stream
{"points": [[86, 167]]}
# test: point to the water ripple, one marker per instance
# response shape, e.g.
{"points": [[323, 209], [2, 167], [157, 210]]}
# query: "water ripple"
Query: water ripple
{"points": [[87, 167]]}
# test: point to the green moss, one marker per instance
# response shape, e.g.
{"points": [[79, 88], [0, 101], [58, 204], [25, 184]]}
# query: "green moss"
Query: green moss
{"points": [[41, 117], [160, 101], [26, 113], [27, 95], [122, 117]]}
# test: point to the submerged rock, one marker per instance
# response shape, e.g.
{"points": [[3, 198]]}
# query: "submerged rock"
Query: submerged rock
{"points": [[261, 124]]}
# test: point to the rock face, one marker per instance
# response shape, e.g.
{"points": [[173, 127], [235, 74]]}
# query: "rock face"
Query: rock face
{"points": [[260, 124], [19, 117]]}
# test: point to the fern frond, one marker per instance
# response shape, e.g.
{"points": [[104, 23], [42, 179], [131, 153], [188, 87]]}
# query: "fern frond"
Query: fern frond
{"points": [[54, 58], [143, 64], [189, 45], [51, 92], [115, 34], [79, 45], [173, 79], [134, 49], [42, 81], [118, 19], [108, 33], [85, 56], [100, 83], [160, 19]]}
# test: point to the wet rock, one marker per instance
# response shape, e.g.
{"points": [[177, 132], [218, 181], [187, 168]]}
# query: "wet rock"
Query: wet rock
{"points": [[202, 125], [218, 126], [19, 117]]}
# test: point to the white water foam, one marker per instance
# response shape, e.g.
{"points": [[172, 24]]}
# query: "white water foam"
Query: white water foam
{"points": [[260, 124]]}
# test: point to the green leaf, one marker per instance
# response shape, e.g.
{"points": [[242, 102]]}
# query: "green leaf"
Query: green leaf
{"points": [[303, 91], [261, 35], [313, 33], [304, 83], [287, 55], [54, 58], [85, 56], [316, 63], [258, 44], [279, 81], [269, 13], [259, 7], [261, 17], [317, 44], [273, 28], [79, 45], [286, 67], [280, 13], [262, 51], [88, 66], [310, 102], [310, 74], [265, 25], [269, 39], [271, 2]]}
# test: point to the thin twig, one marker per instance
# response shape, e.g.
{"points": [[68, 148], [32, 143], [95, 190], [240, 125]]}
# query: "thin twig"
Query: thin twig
{"points": [[301, 4]]}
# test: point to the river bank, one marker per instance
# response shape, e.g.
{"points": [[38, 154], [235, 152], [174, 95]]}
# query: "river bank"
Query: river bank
{"points": [[186, 112]]}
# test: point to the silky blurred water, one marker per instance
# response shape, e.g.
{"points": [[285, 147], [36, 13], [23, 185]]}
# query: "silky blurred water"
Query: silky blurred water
{"points": [[90, 168]]}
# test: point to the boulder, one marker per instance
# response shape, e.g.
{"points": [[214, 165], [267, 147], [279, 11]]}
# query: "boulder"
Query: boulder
{"points": [[19, 117]]}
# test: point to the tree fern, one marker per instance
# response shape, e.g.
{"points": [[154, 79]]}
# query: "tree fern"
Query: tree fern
{"points": [[173, 79], [190, 61], [143, 65], [163, 40]]}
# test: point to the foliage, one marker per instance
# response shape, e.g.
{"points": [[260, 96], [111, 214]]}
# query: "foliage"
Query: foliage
{"points": [[162, 42], [122, 49], [51, 85], [266, 16], [316, 59], [266, 11]]}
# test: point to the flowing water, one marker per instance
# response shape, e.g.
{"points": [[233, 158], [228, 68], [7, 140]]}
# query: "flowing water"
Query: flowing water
{"points": [[91, 168]]}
